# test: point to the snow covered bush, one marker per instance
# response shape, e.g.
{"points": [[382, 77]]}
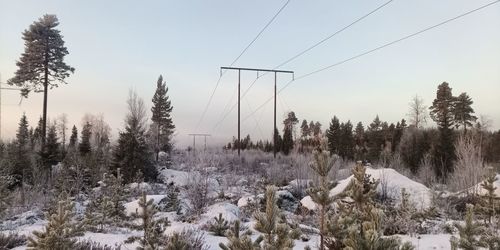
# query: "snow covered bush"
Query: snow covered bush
{"points": [[11, 240], [186, 240]]}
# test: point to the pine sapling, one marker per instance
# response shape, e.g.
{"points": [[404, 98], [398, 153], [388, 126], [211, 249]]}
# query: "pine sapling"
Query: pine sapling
{"points": [[487, 208], [470, 233], [153, 237], [320, 194], [59, 232], [219, 226], [237, 241], [276, 233]]}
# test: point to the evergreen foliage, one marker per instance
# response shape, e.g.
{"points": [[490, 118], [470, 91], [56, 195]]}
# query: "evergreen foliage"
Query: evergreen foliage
{"points": [[73, 139], [320, 194], [106, 207], [442, 113], [5, 198], [463, 112], [238, 241], [84, 147], [487, 206], [269, 223], [333, 136], [60, 231], [219, 226], [42, 62], [357, 225], [52, 150], [470, 233], [161, 117], [20, 170], [153, 237]]}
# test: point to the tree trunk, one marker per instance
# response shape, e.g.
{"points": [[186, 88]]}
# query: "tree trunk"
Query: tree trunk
{"points": [[157, 141]]}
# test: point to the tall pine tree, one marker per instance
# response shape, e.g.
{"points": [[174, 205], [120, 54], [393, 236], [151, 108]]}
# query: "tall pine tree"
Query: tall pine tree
{"points": [[84, 147], [442, 114], [333, 135], [42, 64], [162, 121]]}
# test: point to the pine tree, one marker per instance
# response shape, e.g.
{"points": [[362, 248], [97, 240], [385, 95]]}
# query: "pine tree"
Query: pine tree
{"points": [[236, 241], [359, 140], [42, 62], [52, 151], [287, 144], [219, 226], [346, 143], [487, 207], [357, 225], [463, 112], [73, 139], [21, 170], [276, 233], [442, 114], [84, 147], [375, 139], [162, 121], [131, 154], [106, 207], [470, 233], [59, 232], [304, 129], [333, 136], [5, 197], [153, 237], [320, 194]]}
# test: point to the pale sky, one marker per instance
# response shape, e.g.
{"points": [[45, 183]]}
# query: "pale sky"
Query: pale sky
{"points": [[118, 45]]}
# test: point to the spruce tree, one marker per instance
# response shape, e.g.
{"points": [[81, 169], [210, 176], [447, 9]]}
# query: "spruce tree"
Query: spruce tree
{"points": [[131, 154], [375, 139], [287, 145], [52, 150], [359, 140], [442, 114], [42, 64], [346, 143], [21, 170], [320, 194], [463, 112], [333, 135], [84, 147], [73, 139], [238, 241], [59, 232], [153, 229], [269, 223], [161, 117], [470, 233]]}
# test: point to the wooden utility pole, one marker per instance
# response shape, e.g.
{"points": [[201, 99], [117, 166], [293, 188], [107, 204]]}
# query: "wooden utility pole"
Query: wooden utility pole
{"points": [[194, 140], [275, 94]]}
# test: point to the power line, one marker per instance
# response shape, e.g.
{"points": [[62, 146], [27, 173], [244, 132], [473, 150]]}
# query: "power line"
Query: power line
{"points": [[375, 49], [312, 47], [235, 60]]}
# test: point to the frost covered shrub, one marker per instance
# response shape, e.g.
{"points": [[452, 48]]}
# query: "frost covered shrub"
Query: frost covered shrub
{"points": [[11, 240], [89, 244], [186, 240], [197, 191], [218, 226]]}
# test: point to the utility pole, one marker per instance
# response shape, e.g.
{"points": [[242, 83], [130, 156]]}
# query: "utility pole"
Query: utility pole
{"points": [[194, 140], [275, 94]]}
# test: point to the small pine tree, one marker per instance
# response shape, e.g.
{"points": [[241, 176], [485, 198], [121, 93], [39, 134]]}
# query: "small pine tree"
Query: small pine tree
{"points": [[4, 197], [59, 232], [276, 233], [320, 194], [106, 207], [172, 203], [153, 237], [219, 226], [237, 241], [487, 206], [470, 233]]}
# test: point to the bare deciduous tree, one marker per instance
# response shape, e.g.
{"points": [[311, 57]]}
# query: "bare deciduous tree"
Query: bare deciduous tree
{"points": [[101, 131], [62, 126], [417, 112], [469, 166]]}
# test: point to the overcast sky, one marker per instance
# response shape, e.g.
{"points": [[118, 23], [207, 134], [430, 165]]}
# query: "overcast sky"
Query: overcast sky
{"points": [[118, 45]]}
